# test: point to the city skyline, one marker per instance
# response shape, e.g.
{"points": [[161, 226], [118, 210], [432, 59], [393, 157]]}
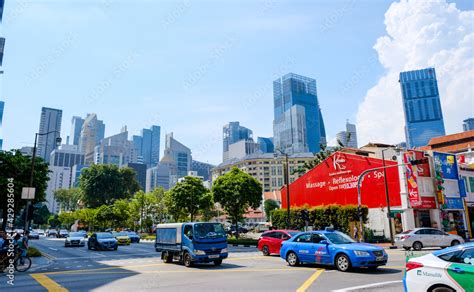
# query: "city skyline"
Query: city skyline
{"points": [[195, 86]]}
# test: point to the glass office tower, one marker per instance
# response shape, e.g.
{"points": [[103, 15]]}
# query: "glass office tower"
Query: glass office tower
{"points": [[422, 107]]}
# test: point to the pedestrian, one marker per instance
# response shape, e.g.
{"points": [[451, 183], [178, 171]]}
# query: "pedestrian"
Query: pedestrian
{"points": [[356, 232]]}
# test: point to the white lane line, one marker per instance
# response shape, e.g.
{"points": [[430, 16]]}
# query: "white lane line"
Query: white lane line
{"points": [[368, 286], [55, 249]]}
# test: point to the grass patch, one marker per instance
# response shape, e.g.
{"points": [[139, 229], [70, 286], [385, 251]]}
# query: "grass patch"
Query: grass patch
{"points": [[148, 236], [33, 252]]}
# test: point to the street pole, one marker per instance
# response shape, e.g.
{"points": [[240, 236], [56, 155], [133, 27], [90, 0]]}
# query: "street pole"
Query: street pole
{"points": [[28, 201], [387, 197], [287, 182]]}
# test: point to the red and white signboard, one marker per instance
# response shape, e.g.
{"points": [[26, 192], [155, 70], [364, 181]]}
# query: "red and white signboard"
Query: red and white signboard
{"points": [[334, 181], [427, 203], [411, 174]]}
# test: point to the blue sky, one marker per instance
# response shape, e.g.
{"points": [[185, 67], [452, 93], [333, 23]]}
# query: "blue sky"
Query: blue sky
{"points": [[188, 66]]}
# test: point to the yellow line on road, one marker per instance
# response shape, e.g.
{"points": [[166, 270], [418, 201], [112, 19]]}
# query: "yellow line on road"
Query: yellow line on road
{"points": [[99, 269], [47, 283], [310, 280]]}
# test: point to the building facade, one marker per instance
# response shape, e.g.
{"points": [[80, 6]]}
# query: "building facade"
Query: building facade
{"points": [[115, 150], [422, 107], [180, 154], [92, 133], [467, 125], [265, 167], [242, 148], [59, 178], [147, 146], [2, 106], [298, 125], [140, 173], [164, 175], [348, 138], [66, 156], [50, 122], [76, 128], [266, 144], [203, 169], [232, 133]]}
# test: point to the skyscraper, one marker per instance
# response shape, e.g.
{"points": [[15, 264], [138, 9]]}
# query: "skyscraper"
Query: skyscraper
{"points": [[348, 138], [467, 125], [150, 145], [66, 156], [180, 154], [2, 106], [92, 133], [232, 133], [115, 149], [76, 128], [422, 107], [298, 124], [50, 122], [266, 144]]}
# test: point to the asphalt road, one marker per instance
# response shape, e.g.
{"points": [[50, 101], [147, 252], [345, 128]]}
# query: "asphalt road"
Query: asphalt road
{"points": [[139, 268]]}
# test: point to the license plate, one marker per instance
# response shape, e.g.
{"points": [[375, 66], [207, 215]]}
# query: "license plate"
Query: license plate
{"points": [[214, 256], [379, 259]]}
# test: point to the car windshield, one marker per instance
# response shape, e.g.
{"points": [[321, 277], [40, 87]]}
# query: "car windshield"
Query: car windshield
{"points": [[62, 231], [209, 230], [132, 233], [338, 238], [120, 234], [104, 235], [75, 234]]}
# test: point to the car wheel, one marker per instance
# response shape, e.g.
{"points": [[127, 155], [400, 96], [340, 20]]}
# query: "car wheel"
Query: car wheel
{"points": [[115, 248], [265, 250], [417, 245], [455, 242], [343, 263], [167, 258], [407, 248], [292, 259], [441, 288], [187, 260], [217, 262], [89, 247]]}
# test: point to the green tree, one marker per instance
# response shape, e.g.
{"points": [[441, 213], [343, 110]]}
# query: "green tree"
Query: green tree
{"points": [[68, 199], [15, 169], [237, 191], [67, 219], [41, 214], [87, 216], [121, 214], [105, 216], [104, 184], [54, 221], [188, 198], [148, 208], [270, 205]]}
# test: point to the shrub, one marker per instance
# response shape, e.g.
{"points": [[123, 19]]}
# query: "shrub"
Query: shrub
{"points": [[33, 252], [320, 217]]}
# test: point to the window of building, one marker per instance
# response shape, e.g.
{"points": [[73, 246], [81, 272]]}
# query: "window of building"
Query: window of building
{"points": [[471, 184]]}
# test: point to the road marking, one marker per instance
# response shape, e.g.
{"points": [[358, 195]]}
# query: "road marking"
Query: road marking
{"points": [[100, 269], [48, 256], [368, 286], [55, 249], [310, 280], [47, 283]]}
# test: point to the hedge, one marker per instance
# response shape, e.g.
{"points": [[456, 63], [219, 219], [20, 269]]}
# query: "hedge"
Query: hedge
{"points": [[33, 252], [240, 241], [320, 217]]}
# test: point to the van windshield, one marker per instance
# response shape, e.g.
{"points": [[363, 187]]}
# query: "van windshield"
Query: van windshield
{"points": [[208, 230]]}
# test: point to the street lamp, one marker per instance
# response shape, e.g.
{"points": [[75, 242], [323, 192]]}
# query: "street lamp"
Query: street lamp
{"points": [[387, 197], [286, 175], [33, 158]]}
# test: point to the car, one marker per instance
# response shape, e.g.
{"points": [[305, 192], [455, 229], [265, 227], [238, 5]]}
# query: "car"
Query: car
{"points": [[33, 235], [63, 233], [232, 230], [84, 233], [270, 241], [134, 237], [75, 239], [450, 269], [419, 238], [52, 233], [41, 232], [102, 240], [334, 248], [122, 237]]}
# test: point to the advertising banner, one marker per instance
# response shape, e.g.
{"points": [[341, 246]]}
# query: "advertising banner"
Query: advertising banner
{"points": [[453, 203], [427, 203], [411, 174], [447, 165]]}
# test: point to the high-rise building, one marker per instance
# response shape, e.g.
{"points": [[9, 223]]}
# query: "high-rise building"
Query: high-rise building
{"points": [[115, 149], [180, 154], [467, 125], [203, 169], [422, 106], [242, 148], [164, 175], [298, 124], [66, 156], [266, 144], [76, 128], [2, 106], [50, 122], [233, 132], [92, 133], [140, 173], [148, 145], [59, 178], [348, 138]]}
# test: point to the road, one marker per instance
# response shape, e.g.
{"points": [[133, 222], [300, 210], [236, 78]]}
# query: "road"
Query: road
{"points": [[139, 268]]}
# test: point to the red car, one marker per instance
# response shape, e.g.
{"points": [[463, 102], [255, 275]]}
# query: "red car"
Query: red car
{"points": [[270, 241]]}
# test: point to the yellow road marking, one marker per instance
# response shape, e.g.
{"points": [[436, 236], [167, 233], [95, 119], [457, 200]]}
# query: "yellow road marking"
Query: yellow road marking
{"points": [[47, 283], [99, 269], [310, 280]]}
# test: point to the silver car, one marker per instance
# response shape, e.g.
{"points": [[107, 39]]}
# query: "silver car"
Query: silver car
{"points": [[426, 237]]}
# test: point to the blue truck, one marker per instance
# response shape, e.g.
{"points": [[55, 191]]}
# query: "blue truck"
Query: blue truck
{"points": [[190, 243]]}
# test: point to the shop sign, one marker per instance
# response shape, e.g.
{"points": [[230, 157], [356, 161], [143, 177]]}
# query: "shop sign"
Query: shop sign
{"points": [[447, 165], [453, 203], [427, 203], [412, 184]]}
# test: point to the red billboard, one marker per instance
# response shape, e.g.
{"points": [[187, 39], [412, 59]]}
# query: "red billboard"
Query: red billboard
{"points": [[334, 181]]}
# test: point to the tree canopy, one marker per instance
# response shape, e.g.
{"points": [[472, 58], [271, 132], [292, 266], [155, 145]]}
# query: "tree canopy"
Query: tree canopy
{"points": [[188, 198], [104, 184], [270, 205], [68, 199], [237, 191]]}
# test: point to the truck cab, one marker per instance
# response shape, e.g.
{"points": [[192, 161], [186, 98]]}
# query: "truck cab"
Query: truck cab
{"points": [[189, 243]]}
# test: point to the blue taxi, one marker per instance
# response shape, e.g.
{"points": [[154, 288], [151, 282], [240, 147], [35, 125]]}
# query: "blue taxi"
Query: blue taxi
{"points": [[329, 247]]}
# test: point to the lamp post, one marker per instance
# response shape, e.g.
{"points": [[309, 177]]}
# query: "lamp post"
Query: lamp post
{"points": [[33, 158], [286, 175], [387, 197], [359, 196]]}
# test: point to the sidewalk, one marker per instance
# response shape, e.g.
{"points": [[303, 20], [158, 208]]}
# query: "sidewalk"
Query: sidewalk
{"points": [[39, 262]]}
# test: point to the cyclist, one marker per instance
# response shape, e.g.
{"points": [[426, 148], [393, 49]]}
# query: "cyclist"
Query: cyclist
{"points": [[22, 245]]}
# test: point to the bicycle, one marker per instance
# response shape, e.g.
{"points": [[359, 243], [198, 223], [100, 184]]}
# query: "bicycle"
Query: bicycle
{"points": [[20, 263]]}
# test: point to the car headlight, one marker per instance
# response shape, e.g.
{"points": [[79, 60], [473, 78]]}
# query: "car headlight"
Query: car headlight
{"points": [[361, 253], [199, 252], [224, 250]]}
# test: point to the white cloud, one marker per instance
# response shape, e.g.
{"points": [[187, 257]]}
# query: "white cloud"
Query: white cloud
{"points": [[420, 34]]}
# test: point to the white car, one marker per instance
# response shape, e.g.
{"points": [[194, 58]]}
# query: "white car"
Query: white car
{"points": [[75, 239], [419, 238], [446, 270]]}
